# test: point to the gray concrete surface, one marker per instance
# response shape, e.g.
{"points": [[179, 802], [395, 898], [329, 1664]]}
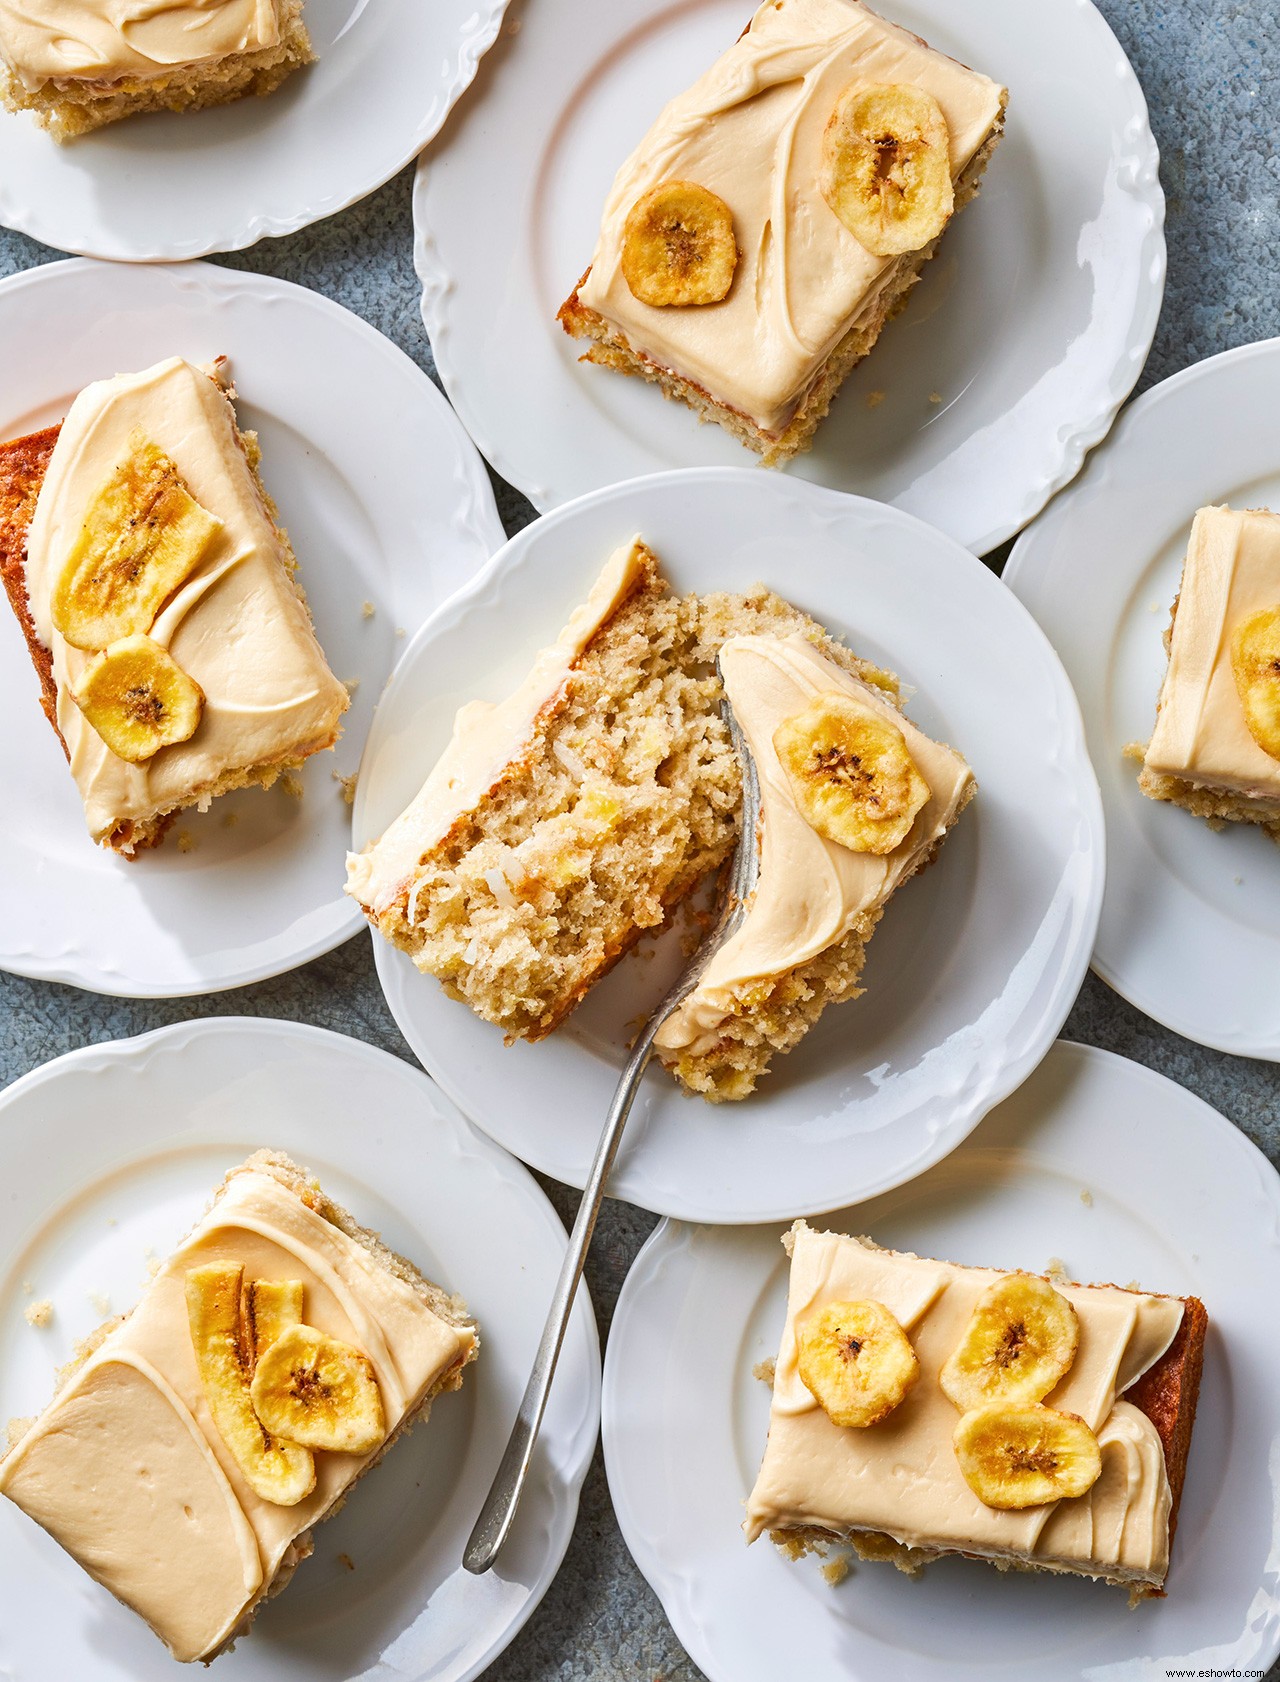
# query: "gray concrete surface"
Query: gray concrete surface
{"points": [[1211, 72]]}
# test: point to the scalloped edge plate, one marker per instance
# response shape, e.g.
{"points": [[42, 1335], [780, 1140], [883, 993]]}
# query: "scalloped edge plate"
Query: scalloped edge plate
{"points": [[685, 1420], [146, 1128], [253, 901], [1030, 328]]}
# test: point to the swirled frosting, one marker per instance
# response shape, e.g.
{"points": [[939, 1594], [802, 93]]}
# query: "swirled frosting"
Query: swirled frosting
{"points": [[108, 40], [1232, 570], [810, 892], [901, 1477], [751, 131], [237, 625], [126, 1468]]}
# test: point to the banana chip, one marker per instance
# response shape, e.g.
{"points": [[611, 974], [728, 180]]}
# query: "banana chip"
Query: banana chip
{"points": [[851, 774], [1020, 1341], [886, 167], [143, 535], [320, 1392], [1014, 1457], [138, 698], [678, 246], [856, 1361], [1255, 663], [280, 1472]]}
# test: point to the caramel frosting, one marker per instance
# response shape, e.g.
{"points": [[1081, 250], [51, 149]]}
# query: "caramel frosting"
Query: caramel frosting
{"points": [[487, 737], [751, 131], [901, 1477], [810, 892], [238, 624], [115, 40], [126, 1468], [1232, 571]]}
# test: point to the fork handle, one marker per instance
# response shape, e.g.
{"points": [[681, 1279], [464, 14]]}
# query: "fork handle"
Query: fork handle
{"points": [[499, 1510]]}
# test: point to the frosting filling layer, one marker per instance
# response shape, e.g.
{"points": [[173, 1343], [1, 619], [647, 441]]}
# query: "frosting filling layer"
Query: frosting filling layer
{"points": [[487, 737], [1232, 571], [237, 625], [750, 130], [126, 1468], [810, 892], [109, 40], [901, 1477]]}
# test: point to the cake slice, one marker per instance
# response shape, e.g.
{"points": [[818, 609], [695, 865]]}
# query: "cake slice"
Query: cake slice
{"points": [[777, 214], [923, 1409], [854, 801], [1215, 749], [157, 593], [77, 64], [563, 822], [155, 1466]]}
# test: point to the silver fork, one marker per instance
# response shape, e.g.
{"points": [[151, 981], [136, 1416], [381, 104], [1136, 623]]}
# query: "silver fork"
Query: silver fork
{"points": [[494, 1523]]}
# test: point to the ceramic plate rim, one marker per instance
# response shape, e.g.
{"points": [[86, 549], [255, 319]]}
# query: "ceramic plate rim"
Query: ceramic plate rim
{"points": [[138, 1049]]}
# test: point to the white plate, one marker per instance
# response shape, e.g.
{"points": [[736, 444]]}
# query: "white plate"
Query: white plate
{"points": [[145, 1129], [679, 1471], [1033, 323], [973, 970], [1190, 928], [172, 185], [386, 500]]}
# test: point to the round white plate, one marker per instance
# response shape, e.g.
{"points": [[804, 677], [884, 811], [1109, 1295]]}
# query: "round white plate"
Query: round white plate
{"points": [[1032, 324], [971, 973], [170, 185], [1190, 928], [386, 501], [145, 1129], [679, 1469]]}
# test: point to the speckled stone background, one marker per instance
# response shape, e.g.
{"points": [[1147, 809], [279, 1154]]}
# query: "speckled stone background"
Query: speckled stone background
{"points": [[1211, 71]]}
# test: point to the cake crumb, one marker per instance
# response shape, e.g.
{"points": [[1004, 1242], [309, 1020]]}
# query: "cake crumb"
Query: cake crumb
{"points": [[400, 631], [836, 1570], [1154, 607], [39, 1313], [367, 610], [230, 820], [186, 841], [346, 1559], [935, 397], [1056, 1268], [1238, 880], [1134, 1285], [101, 1302], [18, 1428], [351, 684], [1086, 1197], [112, 1221], [875, 399], [347, 785], [292, 785], [765, 1370], [26, 1287]]}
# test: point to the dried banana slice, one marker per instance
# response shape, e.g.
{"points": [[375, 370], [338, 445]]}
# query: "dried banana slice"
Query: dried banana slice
{"points": [[851, 773], [143, 534], [319, 1391], [856, 1360], [138, 698], [1013, 1457], [1021, 1339], [269, 1307], [280, 1472], [886, 167], [1255, 661], [678, 246]]}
